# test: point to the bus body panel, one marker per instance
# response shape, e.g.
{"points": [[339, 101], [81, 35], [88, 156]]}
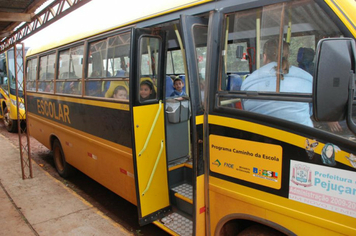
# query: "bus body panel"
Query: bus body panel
{"points": [[106, 161], [259, 201], [345, 11]]}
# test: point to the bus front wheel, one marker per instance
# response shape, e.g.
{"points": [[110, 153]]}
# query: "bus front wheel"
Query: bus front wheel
{"points": [[11, 125], [63, 168]]}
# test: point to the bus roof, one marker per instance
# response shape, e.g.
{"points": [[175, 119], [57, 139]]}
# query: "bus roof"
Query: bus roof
{"points": [[113, 18], [345, 11]]}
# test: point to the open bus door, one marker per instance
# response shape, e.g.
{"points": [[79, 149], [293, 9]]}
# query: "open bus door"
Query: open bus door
{"points": [[194, 30], [149, 149]]}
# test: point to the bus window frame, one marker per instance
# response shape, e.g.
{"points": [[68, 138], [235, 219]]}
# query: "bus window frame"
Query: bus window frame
{"points": [[38, 80], [157, 69], [103, 79], [35, 74], [79, 79]]}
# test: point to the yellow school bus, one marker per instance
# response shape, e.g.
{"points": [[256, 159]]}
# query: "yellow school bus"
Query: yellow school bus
{"points": [[9, 63], [212, 117]]}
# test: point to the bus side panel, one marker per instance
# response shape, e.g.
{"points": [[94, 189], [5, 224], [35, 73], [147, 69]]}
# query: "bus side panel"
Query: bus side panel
{"points": [[101, 150], [236, 202], [108, 163], [240, 179], [39, 129]]}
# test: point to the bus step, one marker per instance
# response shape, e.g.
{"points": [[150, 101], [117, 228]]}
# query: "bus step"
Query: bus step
{"points": [[179, 174], [182, 198], [177, 223]]}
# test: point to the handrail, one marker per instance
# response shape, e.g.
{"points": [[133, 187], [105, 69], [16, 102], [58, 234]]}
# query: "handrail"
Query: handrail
{"points": [[154, 169], [152, 128]]}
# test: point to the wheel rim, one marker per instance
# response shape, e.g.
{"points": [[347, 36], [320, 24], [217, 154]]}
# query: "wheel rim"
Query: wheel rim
{"points": [[58, 159]]}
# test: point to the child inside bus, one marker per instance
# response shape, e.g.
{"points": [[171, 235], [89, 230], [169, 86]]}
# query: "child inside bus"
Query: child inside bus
{"points": [[178, 85], [147, 90], [120, 92]]}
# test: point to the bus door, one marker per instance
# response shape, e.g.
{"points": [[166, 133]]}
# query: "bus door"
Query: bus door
{"points": [[272, 161], [194, 30], [149, 149]]}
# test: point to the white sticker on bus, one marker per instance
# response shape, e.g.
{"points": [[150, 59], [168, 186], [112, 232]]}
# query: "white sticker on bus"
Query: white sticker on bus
{"points": [[325, 187]]}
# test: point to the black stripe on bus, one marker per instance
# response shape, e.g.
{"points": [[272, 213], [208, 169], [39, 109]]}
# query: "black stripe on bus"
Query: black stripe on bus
{"points": [[104, 122]]}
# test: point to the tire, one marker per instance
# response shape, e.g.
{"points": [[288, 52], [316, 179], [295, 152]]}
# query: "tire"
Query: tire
{"points": [[63, 168], [11, 125], [260, 230]]}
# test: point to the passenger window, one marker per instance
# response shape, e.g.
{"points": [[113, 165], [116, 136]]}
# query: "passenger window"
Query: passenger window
{"points": [[149, 53], [70, 71], [31, 74], [108, 68], [275, 70], [46, 74], [200, 42]]}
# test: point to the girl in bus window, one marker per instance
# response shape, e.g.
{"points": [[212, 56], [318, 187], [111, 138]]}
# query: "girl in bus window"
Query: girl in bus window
{"points": [[147, 90]]}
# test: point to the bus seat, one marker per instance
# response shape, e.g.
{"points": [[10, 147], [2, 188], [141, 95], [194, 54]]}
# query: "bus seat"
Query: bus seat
{"points": [[113, 85], [169, 86], [305, 59], [120, 73], [72, 87], [93, 88], [234, 82]]}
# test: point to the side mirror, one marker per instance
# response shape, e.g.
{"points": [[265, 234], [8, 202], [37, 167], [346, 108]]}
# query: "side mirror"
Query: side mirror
{"points": [[334, 80]]}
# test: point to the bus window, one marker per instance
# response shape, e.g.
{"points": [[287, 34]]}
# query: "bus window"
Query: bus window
{"points": [[118, 52], [3, 72], [178, 63], [70, 71], [96, 68], [149, 52], [276, 69], [118, 67], [200, 41], [108, 62], [31, 74], [47, 63]]}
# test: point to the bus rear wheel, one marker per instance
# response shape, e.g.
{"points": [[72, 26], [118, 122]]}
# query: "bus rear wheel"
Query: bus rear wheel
{"points": [[260, 230], [11, 125], [63, 168]]}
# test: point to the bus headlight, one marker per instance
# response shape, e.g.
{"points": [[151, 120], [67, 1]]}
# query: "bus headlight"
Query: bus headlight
{"points": [[21, 106]]}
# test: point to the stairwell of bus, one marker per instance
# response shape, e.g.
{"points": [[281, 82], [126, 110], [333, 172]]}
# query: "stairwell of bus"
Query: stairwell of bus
{"points": [[180, 168]]}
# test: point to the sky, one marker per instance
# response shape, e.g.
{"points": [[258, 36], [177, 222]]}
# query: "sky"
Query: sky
{"points": [[98, 14]]}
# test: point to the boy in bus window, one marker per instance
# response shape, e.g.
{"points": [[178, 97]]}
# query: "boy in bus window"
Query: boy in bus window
{"points": [[147, 90], [178, 85], [293, 80], [120, 92]]}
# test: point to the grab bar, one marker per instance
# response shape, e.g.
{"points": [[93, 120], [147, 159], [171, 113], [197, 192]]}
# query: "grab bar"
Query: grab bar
{"points": [[152, 128], [154, 169]]}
